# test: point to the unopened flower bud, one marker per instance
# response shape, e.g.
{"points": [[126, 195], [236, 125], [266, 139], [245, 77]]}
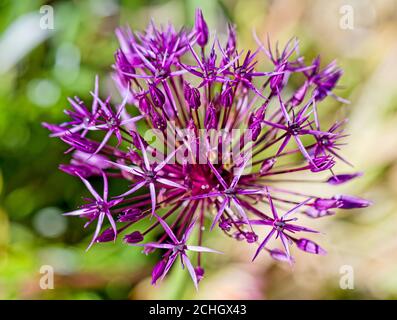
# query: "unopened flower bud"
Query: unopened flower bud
{"points": [[192, 96], [227, 97], [133, 237], [201, 29], [158, 270], [309, 246], [157, 96]]}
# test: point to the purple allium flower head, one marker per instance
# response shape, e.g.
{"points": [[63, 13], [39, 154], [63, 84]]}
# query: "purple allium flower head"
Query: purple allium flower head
{"points": [[217, 135]]}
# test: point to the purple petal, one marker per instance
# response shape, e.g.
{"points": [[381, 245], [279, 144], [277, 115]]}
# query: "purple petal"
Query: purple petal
{"points": [[285, 215], [153, 245], [282, 106], [166, 160], [190, 268], [303, 150], [285, 242], [105, 187], [203, 196], [77, 212], [91, 189], [219, 214], [315, 213], [203, 249], [279, 255], [169, 264], [112, 223], [293, 227], [273, 208], [144, 154], [284, 144], [170, 183], [240, 170], [218, 176], [167, 229], [153, 196], [133, 119], [131, 169], [261, 222], [97, 230], [263, 244], [240, 210], [134, 188], [188, 230], [104, 141]]}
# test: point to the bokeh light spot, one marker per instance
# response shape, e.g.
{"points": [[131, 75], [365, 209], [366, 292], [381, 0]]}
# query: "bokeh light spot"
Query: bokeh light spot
{"points": [[50, 222], [43, 92]]}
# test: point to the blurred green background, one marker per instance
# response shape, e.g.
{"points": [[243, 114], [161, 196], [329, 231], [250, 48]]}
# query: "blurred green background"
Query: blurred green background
{"points": [[39, 69]]}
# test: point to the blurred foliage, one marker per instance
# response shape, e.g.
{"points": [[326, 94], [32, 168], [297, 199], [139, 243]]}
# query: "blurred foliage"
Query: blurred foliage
{"points": [[63, 62]]}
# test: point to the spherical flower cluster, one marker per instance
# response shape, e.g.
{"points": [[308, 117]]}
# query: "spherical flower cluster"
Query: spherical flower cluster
{"points": [[225, 136]]}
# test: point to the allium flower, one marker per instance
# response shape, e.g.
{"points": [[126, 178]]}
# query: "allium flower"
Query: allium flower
{"points": [[177, 248], [217, 135], [281, 226], [97, 209]]}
